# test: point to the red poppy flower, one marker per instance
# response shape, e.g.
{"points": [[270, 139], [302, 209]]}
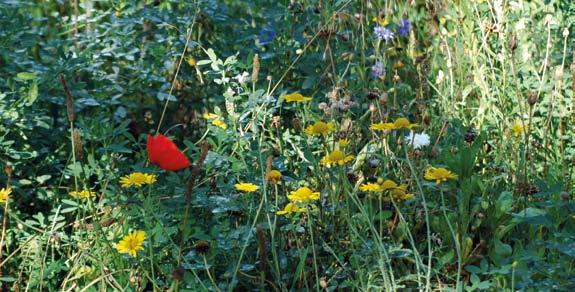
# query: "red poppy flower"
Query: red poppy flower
{"points": [[164, 153]]}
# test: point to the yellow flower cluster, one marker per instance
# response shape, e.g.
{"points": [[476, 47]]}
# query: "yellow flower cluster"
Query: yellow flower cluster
{"points": [[216, 120], [400, 123], [83, 194], [302, 196], [5, 194], [398, 192]]}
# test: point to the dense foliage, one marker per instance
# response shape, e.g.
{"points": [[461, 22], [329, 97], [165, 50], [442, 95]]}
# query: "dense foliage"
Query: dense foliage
{"points": [[287, 145]]}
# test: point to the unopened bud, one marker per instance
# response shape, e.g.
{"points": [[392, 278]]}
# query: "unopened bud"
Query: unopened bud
{"points": [[548, 19], [512, 43], [532, 99], [559, 72], [383, 98], [372, 108]]}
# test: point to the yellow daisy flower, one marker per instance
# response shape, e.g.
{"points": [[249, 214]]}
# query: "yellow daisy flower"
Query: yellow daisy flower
{"points": [[388, 184], [319, 128], [401, 123], [371, 187], [343, 143], [137, 179], [380, 20], [295, 97], [336, 157], [191, 61], [303, 194], [246, 187], [400, 193], [274, 176], [210, 116], [518, 129], [382, 126], [439, 175], [290, 208], [219, 123], [5, 194], [83, 194], [132, 242]]}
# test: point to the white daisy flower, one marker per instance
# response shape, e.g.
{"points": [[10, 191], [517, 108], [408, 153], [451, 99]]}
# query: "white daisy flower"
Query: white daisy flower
{"points": [[418, 141]]}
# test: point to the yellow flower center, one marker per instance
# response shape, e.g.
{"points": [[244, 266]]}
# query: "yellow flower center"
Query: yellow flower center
{"points": [[388, 184], [320, 128], [336, 156], [401, 123]]}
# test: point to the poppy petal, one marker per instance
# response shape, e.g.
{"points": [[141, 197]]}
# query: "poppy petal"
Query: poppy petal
{"points": [[164, 153]]}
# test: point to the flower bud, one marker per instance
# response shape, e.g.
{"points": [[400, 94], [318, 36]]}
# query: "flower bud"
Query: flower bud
{"points": [[532, 99], [512, 43], [559, 72]]}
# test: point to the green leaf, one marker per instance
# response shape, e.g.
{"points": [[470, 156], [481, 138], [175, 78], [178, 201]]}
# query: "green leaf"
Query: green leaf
{"points": [[25, 76], [32, 94], [43, 178], [502, 248], [212, 55]]}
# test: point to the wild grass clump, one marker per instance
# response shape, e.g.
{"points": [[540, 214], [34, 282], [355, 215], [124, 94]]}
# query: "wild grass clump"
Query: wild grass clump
{"points": [[309, 145]]}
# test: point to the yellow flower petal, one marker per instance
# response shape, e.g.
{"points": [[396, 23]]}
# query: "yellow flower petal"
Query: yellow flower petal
{"points": [[319, 128], [439, 175], [295, 97], [246, 187]]}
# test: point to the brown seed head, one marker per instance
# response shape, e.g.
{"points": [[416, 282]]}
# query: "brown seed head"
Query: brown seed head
{"points": [[532, 98], [256, 68]]}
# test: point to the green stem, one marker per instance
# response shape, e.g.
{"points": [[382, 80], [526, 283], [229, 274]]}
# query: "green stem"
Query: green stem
{"points": [[455, 240]]}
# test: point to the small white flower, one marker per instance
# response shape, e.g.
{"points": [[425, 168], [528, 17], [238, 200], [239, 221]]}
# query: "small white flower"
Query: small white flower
{"points": [[230, 91], [419, 141], [440, 77], [242, 78]]}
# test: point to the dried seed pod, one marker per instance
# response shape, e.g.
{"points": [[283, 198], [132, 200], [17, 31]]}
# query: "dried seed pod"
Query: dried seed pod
{"points": [[352, 177], [256, 68], [383, 98], [69, 99], [276, 122], [178, 273], [263, 246], [512, 43], [559, 73], [78, 144], [8, 169], [373, 94], [202, 247], [296, 124], [470, 135], [532, 98]]}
